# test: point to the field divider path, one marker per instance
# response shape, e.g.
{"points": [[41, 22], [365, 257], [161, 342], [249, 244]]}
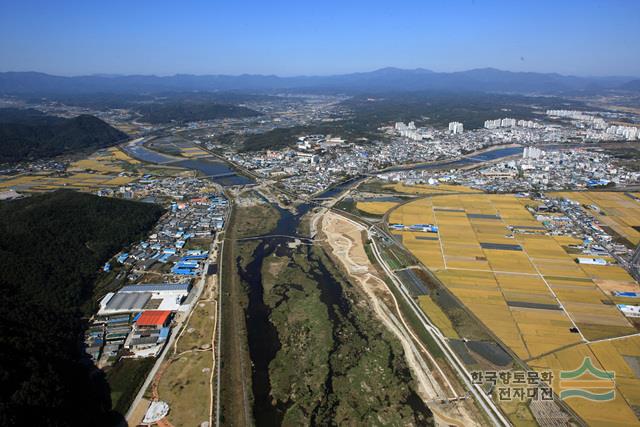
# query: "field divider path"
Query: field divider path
{"points": [[555, 296], [490, 408]]}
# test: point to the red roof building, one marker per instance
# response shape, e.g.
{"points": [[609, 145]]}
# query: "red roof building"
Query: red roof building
{"points": [[200, 200], [157, 318]]}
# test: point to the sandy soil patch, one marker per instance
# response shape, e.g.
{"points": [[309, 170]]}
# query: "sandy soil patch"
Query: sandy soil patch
{"points": [[345, 239]]}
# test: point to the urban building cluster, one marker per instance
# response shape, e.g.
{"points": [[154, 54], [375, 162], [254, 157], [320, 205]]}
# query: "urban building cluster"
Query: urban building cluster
{"points": [[563, 216], [626, 132], [160, 274], [596, 127], [552, 170], [583, 116], [510, 123], [411, 132], [536, 170], [318, 161]]}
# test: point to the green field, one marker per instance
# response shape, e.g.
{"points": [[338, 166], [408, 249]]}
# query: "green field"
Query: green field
{"points": [[125, 379]]}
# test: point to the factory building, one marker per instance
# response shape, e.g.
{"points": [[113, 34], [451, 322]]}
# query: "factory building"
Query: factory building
{"points": [[137, 298], [591, 261], [150, 333]]}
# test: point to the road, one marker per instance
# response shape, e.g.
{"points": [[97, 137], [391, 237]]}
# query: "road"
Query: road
{"points": [[180, 318], [487, 404], [485, 401], [219, 325], [230, 313]]}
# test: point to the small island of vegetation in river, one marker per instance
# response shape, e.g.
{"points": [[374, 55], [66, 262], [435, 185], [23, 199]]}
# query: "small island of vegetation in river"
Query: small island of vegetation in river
{"points": [[316, 355]]}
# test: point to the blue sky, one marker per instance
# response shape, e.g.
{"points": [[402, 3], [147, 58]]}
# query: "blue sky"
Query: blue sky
{"points": [[318, 37]]}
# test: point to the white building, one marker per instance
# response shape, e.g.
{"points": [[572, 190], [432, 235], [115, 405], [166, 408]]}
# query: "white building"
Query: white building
{"points": [[136, 298], [492, 124], [508, 123], [591, 261], [532, 153], [456, 127], [629, 310]]}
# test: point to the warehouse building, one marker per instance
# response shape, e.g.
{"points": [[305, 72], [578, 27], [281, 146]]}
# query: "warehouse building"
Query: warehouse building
{"points": [[137, 298], [150, 333], [115, 303], [591, 261]]}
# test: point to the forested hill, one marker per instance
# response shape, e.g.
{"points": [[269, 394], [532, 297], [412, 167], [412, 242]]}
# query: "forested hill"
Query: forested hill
{"points": [[51, 248], [30, 134]]}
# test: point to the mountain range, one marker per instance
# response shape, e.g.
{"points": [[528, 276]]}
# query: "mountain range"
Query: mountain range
{"points": [[382, 80]]}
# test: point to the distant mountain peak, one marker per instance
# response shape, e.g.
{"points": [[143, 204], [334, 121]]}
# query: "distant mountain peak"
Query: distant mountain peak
{"points": [[391, 70]]}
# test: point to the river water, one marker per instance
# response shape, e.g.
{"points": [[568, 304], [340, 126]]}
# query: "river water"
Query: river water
{"points": [[451, 164], [215, 170], [263, 338]]}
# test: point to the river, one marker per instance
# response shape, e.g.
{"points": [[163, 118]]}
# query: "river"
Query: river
{"points": [[470, 159], [263, 336], [212, 168]]}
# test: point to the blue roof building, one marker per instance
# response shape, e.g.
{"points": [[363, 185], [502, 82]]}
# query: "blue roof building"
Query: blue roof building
{"points": [[157, 287], [183, 271]]}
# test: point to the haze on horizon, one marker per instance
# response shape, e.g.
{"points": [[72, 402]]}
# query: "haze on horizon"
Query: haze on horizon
{"points": [[70, 37]]}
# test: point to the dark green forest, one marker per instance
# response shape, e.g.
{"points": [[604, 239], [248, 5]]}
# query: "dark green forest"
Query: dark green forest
{"points": [[31, 135], [132, 101], [437, 109], [51, 248], [184, 111]]}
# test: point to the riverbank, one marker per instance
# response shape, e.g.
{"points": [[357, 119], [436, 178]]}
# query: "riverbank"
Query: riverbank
{"points": [[346, 242], [234, 391], [300, 307], [489, 153]]}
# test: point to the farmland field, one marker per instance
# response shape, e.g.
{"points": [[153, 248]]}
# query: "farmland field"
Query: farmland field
{"points": [[375, 208], [400, 187], [105, 168], [526, 287]]}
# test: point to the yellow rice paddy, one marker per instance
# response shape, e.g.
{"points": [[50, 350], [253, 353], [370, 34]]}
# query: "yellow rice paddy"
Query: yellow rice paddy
{"points": [[193, 152], [531, 292], [103, 169], [400, 187], [375, 208]]}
